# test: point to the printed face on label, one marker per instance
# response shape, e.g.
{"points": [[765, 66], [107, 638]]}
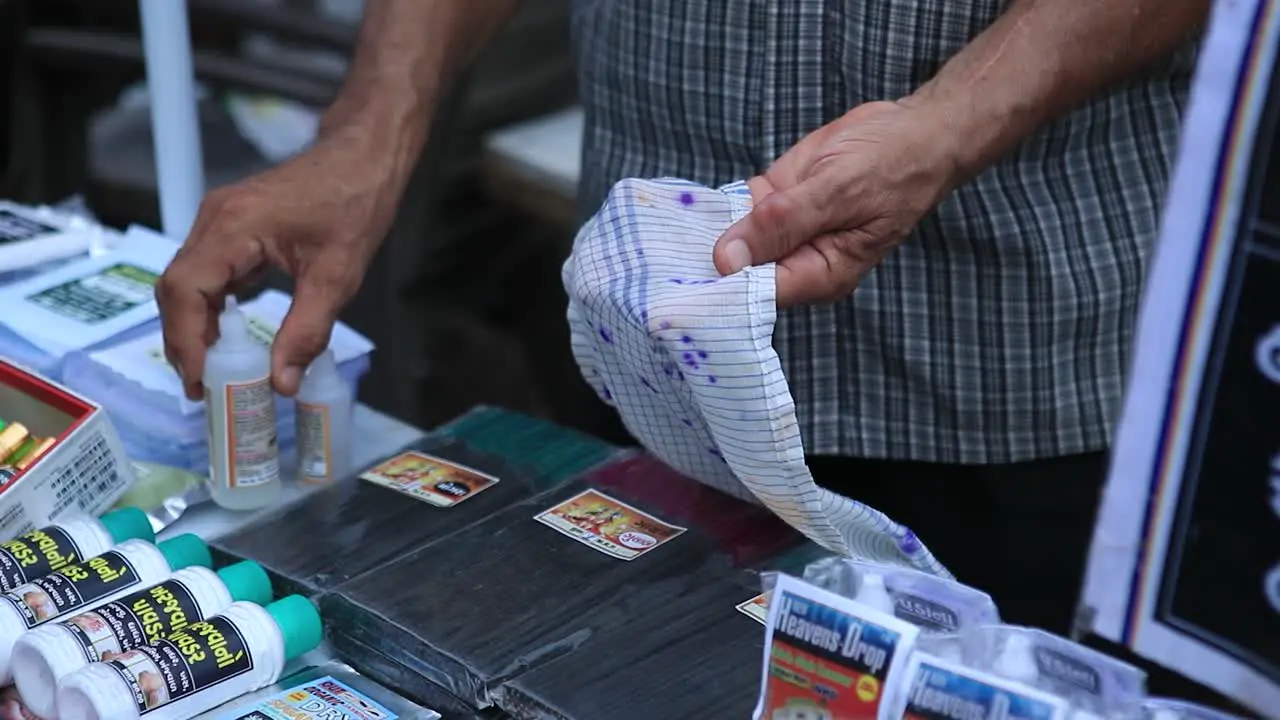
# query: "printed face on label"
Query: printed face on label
{"points": [[40, 604]]}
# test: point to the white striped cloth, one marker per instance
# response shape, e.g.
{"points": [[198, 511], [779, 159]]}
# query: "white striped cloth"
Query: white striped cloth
{"points": [[686, 357]]}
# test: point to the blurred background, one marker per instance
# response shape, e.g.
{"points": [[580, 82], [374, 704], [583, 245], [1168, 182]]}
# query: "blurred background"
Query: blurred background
{"points": [[464, 301]]}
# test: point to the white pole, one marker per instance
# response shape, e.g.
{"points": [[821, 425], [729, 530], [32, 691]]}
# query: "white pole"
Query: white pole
{"points": [[175, 122]]}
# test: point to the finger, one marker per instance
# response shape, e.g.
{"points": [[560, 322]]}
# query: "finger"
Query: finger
{"points": [[189, 295], [760, 188], [305, 331], [817, 272], [776, 226]]}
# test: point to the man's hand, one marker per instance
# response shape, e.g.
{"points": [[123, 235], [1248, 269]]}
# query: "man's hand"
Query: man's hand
{"points": [[318, 217], [834, 205]]}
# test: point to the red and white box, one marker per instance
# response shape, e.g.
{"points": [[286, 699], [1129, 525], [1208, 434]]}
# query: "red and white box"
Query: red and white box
{"points": [[85, 470]]}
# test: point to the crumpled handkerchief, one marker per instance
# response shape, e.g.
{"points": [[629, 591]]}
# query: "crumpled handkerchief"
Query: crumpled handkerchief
{"points": [[686, 357]]}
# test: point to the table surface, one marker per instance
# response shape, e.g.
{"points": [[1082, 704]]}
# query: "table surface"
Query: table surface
{"points": [[377, 435]]}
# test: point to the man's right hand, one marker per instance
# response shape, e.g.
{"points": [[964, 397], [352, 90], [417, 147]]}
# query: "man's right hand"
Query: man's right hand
{"points": [[319, 217]]}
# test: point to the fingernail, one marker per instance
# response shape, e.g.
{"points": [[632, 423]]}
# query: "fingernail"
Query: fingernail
{"points": [[738, 255]]}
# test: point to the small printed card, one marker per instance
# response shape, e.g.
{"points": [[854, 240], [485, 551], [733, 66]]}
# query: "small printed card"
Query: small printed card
{"points": [[757, 608], [608, 525], [429, 478], [90, 300]]}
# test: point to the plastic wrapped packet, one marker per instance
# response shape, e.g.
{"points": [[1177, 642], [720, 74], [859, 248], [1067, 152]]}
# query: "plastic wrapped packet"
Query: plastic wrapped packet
{"points": [[1095, 685], [937, 688], [934, 604], [319, 692], [1170, 709], [164, 493], [827, 656]]}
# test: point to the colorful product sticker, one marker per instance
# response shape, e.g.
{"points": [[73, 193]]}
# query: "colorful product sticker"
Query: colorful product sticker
{"points": [[608, 525], [940, 690], [757, 608], [429, 478], [828, 658], [321, 699]]}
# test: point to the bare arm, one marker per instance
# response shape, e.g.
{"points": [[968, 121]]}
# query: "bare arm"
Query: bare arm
{"points": [[407, 54], [1042, 59]]}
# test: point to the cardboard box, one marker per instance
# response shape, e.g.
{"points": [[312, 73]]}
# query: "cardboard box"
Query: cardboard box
{"points": [[86, 470]]}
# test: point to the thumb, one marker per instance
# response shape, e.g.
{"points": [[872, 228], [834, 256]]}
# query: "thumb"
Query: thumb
{"points": [[303, 335], [778, 224]]}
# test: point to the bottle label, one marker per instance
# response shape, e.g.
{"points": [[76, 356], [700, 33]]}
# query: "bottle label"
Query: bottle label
{"points": [[248, 411], [72, 587], [35, 554], [322, 699], [204, 654], [315, 458], [138, 619]]}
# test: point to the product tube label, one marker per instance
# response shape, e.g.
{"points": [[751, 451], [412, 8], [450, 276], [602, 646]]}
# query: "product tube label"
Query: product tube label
{"points": [[203, 655], [138, 619], [72, 587], [35, 554]]}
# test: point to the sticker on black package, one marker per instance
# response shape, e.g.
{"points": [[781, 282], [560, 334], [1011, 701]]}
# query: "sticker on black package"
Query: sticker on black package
{"points": [[132, 621], [203, 655], [72, 587], [940, 690], [35, 554]]}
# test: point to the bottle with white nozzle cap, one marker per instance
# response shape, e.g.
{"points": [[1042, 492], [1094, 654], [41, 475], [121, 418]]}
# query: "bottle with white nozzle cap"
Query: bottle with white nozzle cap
{"points": [[46, 655], [239, 651], [873, 593], [37, 553], [86, 585], [324, 419], [239, 403]]}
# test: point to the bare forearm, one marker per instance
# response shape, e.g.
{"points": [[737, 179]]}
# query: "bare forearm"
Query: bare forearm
{"points": [[1042, 59], [407, 54]]}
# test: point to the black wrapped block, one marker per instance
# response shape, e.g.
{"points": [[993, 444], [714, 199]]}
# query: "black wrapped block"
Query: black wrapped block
{"points": [[511, 612]]}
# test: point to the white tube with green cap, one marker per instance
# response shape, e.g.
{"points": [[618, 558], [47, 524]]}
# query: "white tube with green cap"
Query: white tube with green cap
{"points": [[37, 553], [197, 669], [46, 655], [86, 585]]}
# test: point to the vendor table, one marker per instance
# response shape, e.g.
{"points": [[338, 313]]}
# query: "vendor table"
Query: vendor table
{"points": [[377, 435]]}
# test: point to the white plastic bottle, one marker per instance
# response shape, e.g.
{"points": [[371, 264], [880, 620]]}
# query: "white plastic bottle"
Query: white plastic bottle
{"points": [[873, 593], [37, 553], [244, 459], [324, 418], [84, 586], [46, 655], [242, 650]]}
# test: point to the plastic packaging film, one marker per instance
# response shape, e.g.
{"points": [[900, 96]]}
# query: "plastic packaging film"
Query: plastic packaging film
{"points": [[354, 526], [548, 627], [164, 493]]}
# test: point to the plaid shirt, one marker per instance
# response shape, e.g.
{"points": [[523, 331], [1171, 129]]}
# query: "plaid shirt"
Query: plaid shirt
{"points": [[1000, 330]]}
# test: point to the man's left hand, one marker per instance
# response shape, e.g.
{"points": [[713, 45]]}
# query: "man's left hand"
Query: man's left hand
{"points": [[834, 205]]}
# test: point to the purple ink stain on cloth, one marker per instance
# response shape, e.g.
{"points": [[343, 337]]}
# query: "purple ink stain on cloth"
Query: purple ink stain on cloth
{"points": [[605, 335], [909, 543], [686, 198]]}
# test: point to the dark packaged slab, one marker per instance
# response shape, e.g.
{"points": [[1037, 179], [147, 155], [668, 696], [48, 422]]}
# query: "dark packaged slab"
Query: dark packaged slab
{"points": [[488, 607], [355, 526], [546, 449]]}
